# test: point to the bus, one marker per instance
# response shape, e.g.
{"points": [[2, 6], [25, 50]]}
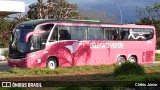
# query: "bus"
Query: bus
{"points": [[61, 43]]}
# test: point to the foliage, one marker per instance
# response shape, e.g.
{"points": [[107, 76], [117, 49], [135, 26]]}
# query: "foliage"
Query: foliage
{"points": [[5, 25], [55, 9], [62, 10], [110, 69], [151, 74], [157, 56], [150, 16], [34, 71], [46, 71], [129, 69]]}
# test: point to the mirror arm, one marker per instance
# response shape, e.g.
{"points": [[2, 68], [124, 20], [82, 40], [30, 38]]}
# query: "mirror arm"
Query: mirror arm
{"points": [[32, 33]]}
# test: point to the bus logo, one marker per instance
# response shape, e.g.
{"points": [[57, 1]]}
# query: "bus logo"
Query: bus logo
{"points": [[74, 47], [106, 45]]}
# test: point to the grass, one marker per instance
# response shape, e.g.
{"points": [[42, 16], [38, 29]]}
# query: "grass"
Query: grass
{"points": [[71, 70], [66, 70], [152, 73], [98, 73], [129, 69], [157, 56]]}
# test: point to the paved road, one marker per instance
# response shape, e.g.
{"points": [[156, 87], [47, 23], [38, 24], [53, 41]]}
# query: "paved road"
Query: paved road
{"points": [[4, 67], [156, 63]]}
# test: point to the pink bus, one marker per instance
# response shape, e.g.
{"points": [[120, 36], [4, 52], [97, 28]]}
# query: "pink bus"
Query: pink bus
{"points": [[60, 43]]}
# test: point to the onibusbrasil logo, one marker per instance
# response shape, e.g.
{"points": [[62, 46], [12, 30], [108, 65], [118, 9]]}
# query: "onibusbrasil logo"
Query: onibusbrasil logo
{"points": [[21, 84]]}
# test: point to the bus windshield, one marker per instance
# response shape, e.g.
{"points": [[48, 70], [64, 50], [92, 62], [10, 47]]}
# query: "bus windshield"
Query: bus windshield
{"points": [[18, 42]]}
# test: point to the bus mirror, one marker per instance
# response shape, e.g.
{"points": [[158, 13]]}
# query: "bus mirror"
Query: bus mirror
{"points": [[32, 33], [5, 34]]}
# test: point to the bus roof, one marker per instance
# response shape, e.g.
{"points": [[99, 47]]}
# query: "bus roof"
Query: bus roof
{"points": [[91, 22], [39, 21]]}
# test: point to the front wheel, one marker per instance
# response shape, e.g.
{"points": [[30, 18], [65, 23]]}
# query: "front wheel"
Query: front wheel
{"points": [[52, 63]]}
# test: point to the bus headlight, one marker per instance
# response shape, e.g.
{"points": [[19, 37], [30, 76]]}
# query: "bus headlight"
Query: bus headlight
{"points": [[23, 58], [30, 56]]}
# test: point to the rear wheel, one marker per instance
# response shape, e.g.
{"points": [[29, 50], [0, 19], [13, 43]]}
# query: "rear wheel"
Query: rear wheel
{"points": [[52, 63], [121, 60], [132, 59]]}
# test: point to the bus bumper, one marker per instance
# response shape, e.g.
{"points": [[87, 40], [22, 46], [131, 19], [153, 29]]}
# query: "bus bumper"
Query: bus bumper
{"points": [[16, 62]]}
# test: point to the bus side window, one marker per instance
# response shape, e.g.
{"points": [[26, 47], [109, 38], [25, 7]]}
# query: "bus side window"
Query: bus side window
{"points": [[114, 35], [45, 37], [64, 35], [35, 43], [149, 36], [46, 27], [136, 34], [82, 33], [99, 34], [108, 34], [54, 36], [95, 33], [91, 34], [124, 34], [74, 33]]}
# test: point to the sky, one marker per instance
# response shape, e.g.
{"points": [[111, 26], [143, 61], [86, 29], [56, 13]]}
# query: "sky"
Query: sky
{"points": [[127, 7]]}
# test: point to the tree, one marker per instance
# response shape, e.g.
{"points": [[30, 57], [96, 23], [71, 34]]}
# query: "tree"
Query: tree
{"points": [[150, 16], [55, 9], [61, 9], [5, 25]]}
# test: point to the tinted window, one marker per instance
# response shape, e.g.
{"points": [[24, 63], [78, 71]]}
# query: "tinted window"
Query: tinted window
{"points": [[46, 27], [64, 33], [19, 37], [123, 34], [35, 43], [111, 34], [23, 33], [60, 33], [140, 34], [95, 33], [74, 33], [78, 33], [148, 33], [54, 35], [128, 34]]}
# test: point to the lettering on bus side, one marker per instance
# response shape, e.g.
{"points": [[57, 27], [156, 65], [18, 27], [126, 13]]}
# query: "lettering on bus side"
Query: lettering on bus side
{"points": [[107, 45]]}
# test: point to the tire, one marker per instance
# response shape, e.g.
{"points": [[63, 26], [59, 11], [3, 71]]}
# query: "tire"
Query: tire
{"points": [[52, 63], [121, 60], [132, 59]]}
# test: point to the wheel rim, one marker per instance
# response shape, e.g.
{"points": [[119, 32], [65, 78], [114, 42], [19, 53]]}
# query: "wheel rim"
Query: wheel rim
{"points": [[132, 60], [51, 64], [121, 61]]}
